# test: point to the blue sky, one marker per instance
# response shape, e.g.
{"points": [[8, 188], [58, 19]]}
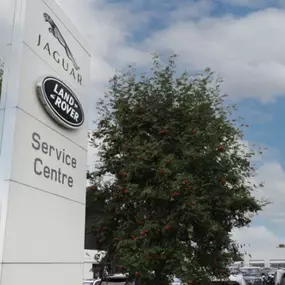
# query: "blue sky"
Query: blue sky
{"points": [[241, 40]]}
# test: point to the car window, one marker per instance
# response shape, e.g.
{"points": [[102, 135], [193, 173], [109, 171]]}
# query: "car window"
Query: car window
{"points": [[250, 271]]}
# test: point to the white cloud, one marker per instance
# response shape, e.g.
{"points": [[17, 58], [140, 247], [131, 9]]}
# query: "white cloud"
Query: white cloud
{"points": [[274, 191], [92, 157], [272, 174], [259, 242], [247, 51], [108, 28], [248, 3]]}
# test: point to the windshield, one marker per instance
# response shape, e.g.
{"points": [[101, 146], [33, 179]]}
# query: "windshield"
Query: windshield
{"points": [[250, 271]]}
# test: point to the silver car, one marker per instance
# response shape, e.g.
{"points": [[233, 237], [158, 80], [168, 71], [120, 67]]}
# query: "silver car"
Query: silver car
{"points": [[91, 282], [252, 275]]}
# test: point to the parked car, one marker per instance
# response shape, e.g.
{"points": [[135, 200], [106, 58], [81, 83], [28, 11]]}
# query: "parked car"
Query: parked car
{"points": [[115, 279], [253, 275], [235, 278], [92, 281]]}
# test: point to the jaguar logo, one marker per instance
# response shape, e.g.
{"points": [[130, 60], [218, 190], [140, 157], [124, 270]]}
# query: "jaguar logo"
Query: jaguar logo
{"points": [[68, 62], [57, 34]]}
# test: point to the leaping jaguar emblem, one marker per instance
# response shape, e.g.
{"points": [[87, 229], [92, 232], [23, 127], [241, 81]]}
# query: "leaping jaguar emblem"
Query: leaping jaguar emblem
{"points": [[57, 34]]}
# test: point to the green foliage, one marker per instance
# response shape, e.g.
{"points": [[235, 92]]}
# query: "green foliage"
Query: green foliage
{"points": [[180, 176]]}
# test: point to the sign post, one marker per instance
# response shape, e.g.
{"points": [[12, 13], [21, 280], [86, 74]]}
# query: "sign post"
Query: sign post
{"points": [[43, 148]]}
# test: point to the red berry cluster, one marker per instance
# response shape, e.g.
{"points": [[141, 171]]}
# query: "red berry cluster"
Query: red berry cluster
{"points": [[169, 161], [168, 227], [163, 132], [221, 148]]}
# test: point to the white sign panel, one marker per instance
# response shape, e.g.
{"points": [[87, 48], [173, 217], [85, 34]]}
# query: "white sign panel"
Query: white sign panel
{"points": [[43, 148], [50, 162]]}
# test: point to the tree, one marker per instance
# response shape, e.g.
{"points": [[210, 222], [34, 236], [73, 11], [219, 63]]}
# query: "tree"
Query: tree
{"points": [[238, 257], [236, 254], [180, 176]]}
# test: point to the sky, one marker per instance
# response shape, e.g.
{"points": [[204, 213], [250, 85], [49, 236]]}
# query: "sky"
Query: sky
{"points": [[241, 40]]}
